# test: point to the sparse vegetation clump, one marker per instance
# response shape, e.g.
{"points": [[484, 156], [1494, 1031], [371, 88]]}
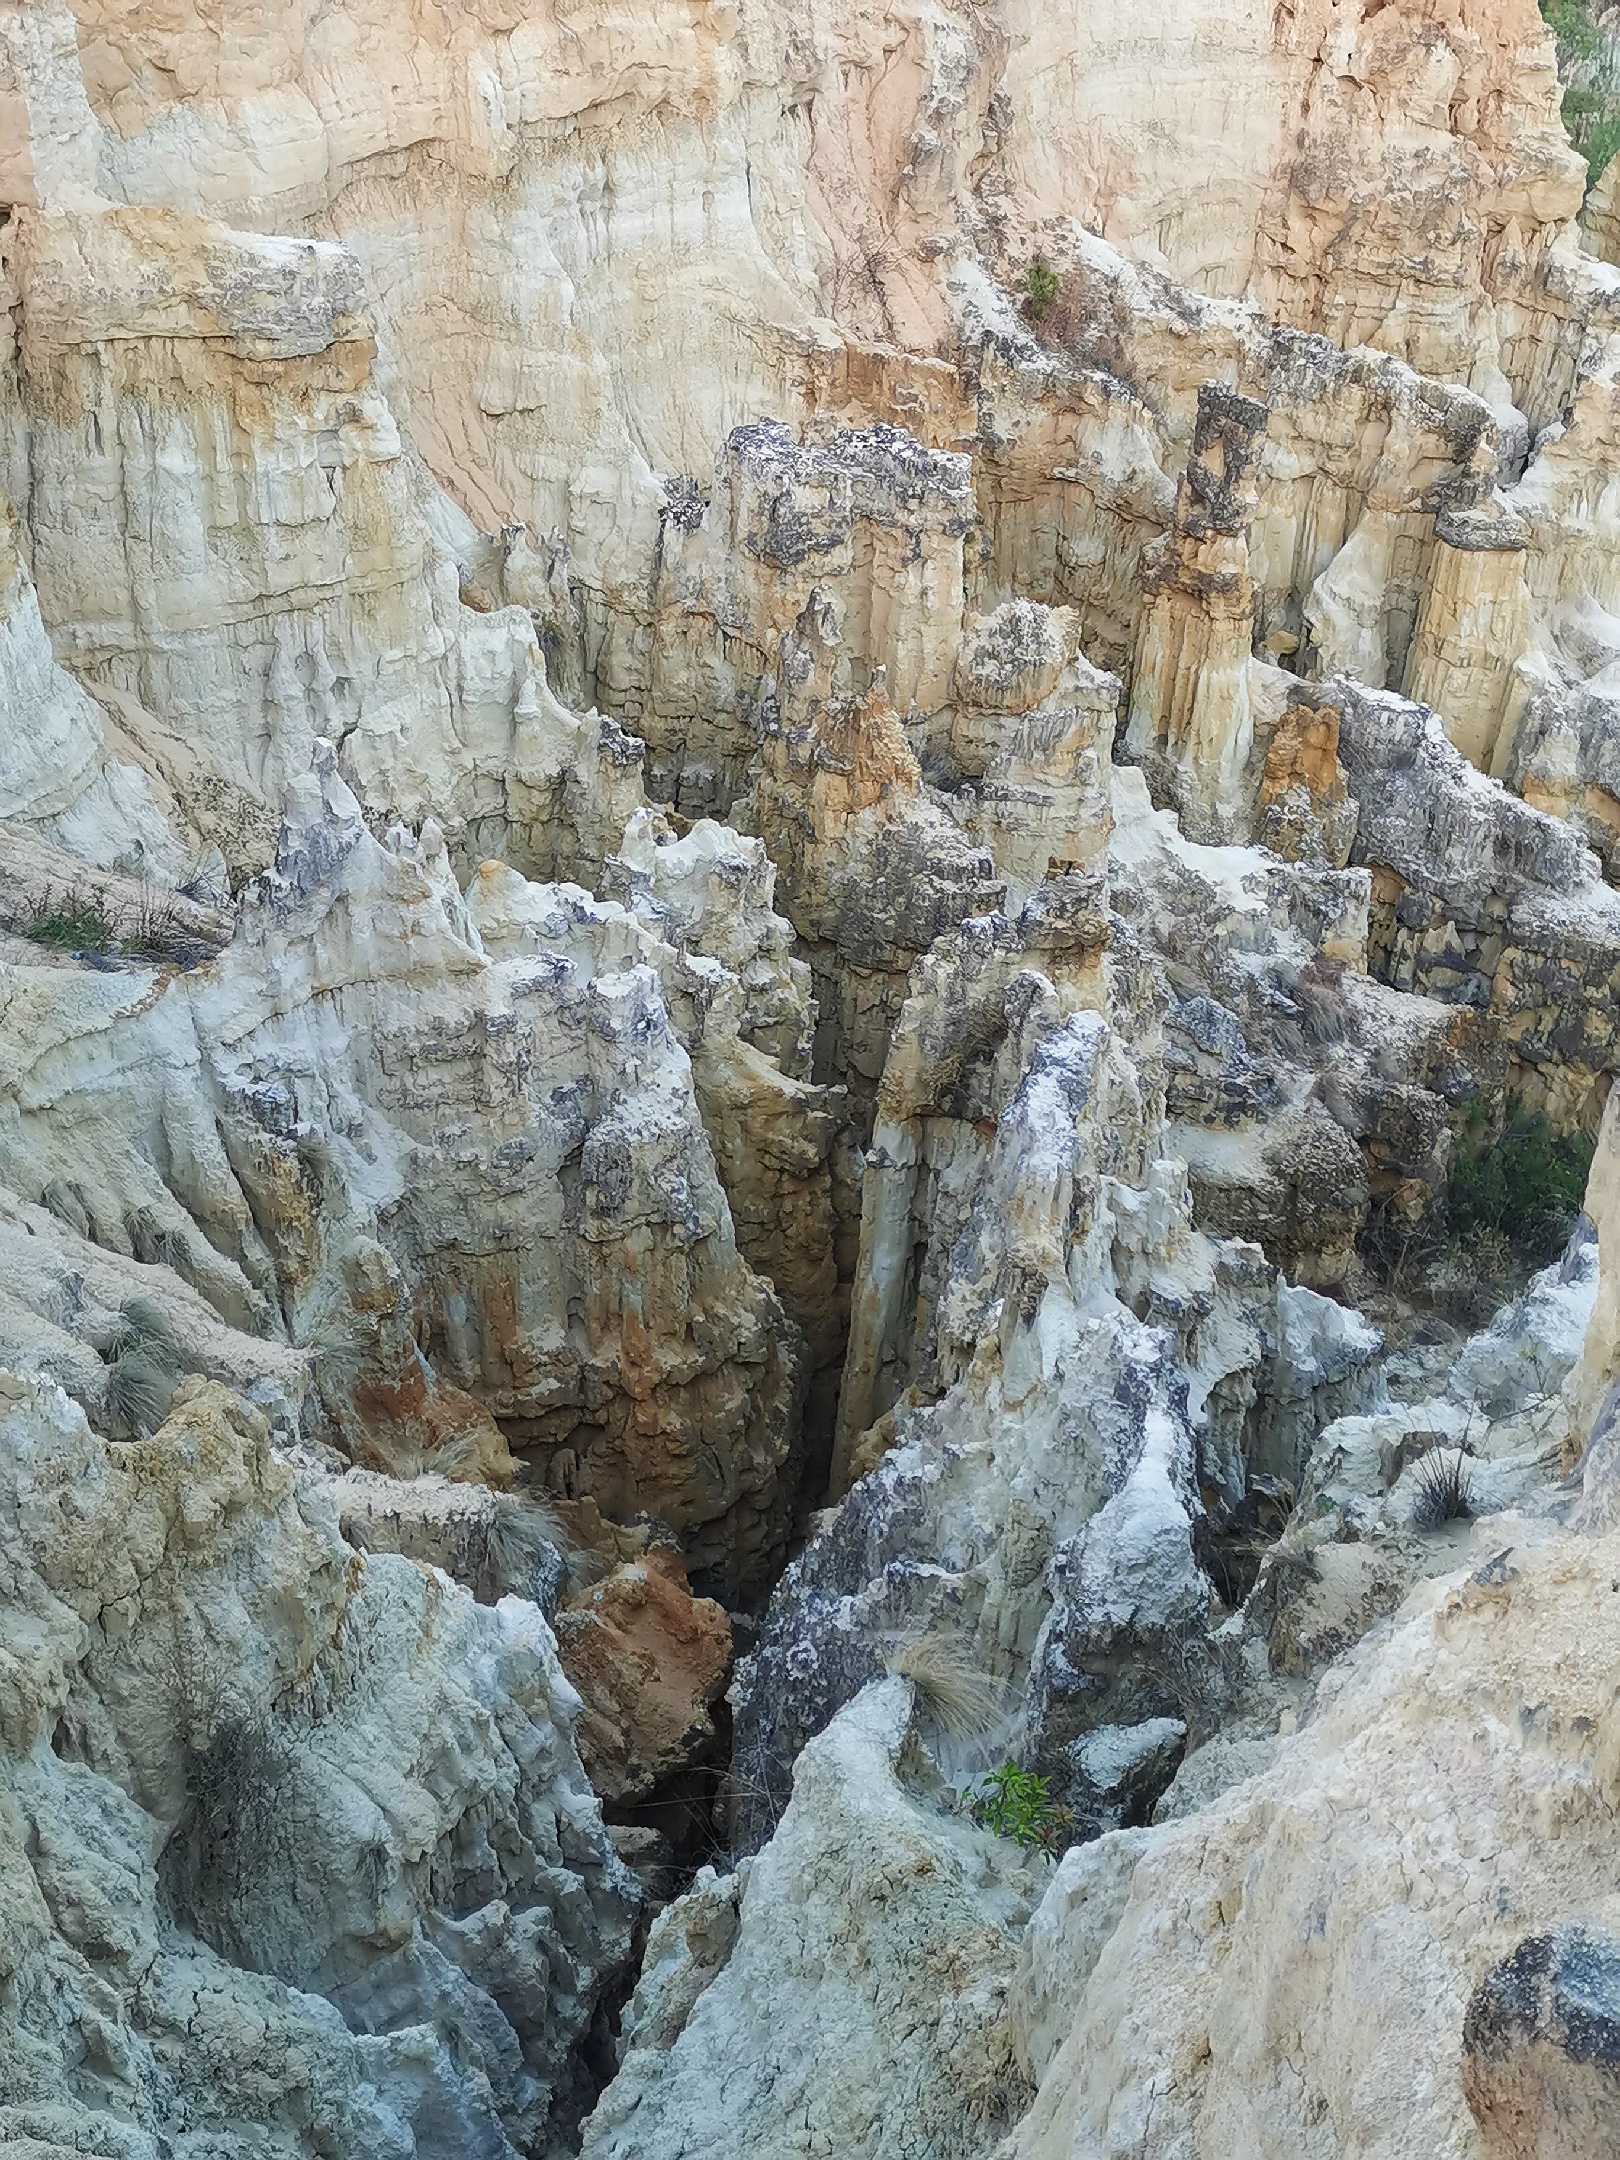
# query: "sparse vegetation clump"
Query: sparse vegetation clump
{"points": [[527, 1544], [1445, 1490], [87, 922], [1509, 1206], [143, 1363], [965, 1703], [1527, 1187], [1589, 64], [1018, 1804], [1041, 287], [71, 926]]}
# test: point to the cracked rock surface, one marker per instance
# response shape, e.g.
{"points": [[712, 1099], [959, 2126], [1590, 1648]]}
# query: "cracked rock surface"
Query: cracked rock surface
{"points": [[809, 945]]}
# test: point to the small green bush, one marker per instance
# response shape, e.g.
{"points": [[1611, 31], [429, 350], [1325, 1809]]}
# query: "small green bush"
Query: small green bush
{"points": [[1590, 67], [1529, 1187], [1570, 22], [1041, 287], [70, 929], [1018, 1804], [1601, 147]]}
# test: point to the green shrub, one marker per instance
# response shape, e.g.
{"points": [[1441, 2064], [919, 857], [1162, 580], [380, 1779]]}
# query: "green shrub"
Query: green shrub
{"points": [[150, 925], [71, 928], [1041, 287], [1590, 67], [1528, 1187], [1570, 22], [1018, 1804], [1601, 147]]}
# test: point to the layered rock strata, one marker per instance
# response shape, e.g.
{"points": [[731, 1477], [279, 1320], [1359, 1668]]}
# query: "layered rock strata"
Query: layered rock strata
{"points": [[1117, 514]]}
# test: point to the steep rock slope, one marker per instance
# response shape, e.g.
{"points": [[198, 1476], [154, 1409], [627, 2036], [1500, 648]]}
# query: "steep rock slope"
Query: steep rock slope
{"points": [[355, 1123], [1117, 512], [299, 1851], [875, 1931], [1445, 1811]]}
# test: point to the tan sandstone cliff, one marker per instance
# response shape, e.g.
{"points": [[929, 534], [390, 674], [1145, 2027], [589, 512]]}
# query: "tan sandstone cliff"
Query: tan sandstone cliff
{"points": [[776, 788]]}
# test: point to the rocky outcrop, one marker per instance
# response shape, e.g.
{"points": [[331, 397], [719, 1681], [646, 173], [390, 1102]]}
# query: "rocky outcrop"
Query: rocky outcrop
{"points": [[1417, 1767], [877, 1931], [1190, 703], [650, 1661], [299, 1853], [873, 870], [1478, 899], [359, 1095], [1054, 1380], [1542, 2045], [450, 462]]}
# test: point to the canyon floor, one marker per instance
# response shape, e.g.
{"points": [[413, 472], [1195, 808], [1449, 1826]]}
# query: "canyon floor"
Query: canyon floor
{"points": [[809, 972]]}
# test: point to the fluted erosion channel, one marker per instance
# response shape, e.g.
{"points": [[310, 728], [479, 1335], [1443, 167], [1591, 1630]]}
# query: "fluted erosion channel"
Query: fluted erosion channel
{"points": [[809, 964]]}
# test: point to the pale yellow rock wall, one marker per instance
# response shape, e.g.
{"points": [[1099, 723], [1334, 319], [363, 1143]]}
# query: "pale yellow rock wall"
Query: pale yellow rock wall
{"points": [[633, 225], [1292, 1966], [1475, 624], [1314, 156], [1600, 1361]]}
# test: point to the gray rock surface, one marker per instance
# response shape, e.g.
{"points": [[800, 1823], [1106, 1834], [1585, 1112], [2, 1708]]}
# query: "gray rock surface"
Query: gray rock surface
{"points": [[298, 1855], [847, 1990], [1541, 2048]]}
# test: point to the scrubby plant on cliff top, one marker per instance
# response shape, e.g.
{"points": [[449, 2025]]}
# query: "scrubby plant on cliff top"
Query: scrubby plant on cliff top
{"points": [[1589, 64], [150, 925], [1528, 1187], [1018, 1804], [68, 926]]}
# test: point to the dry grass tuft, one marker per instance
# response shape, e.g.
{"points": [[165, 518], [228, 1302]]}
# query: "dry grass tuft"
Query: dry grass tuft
{"points": [[960, 1698]]}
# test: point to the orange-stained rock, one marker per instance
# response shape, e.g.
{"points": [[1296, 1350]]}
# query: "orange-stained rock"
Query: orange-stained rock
{"points": [[650, 1660], [1305, 807], [1304, 753]]}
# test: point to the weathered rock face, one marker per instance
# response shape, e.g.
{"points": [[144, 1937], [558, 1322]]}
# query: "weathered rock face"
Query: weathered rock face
{"points": [[232, 543], [453, 1143], [61, 773], [894, 415], [1542, 2045], [1313, 161], [247, 1769], [1053, 1378], [1592, 1401], [131, 137], [650, 1661], [1479, 900], [877, 1930], [1292, 1881], [1190, 709]]}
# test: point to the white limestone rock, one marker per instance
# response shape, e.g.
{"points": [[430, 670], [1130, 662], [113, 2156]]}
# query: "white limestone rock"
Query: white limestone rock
{"points": [[380, 1080], [858, 1998], [1292, 1967]]}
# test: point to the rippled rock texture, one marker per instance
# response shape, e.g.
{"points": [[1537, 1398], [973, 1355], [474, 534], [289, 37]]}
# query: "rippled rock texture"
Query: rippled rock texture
{"points": [[776, 788]]}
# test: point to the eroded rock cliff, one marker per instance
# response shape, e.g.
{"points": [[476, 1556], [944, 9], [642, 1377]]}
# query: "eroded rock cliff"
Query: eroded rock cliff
{"points": [[779, 792]]}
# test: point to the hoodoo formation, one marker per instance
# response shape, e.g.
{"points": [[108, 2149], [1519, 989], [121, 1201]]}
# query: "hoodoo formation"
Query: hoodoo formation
{"points": [[809, 973]]}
